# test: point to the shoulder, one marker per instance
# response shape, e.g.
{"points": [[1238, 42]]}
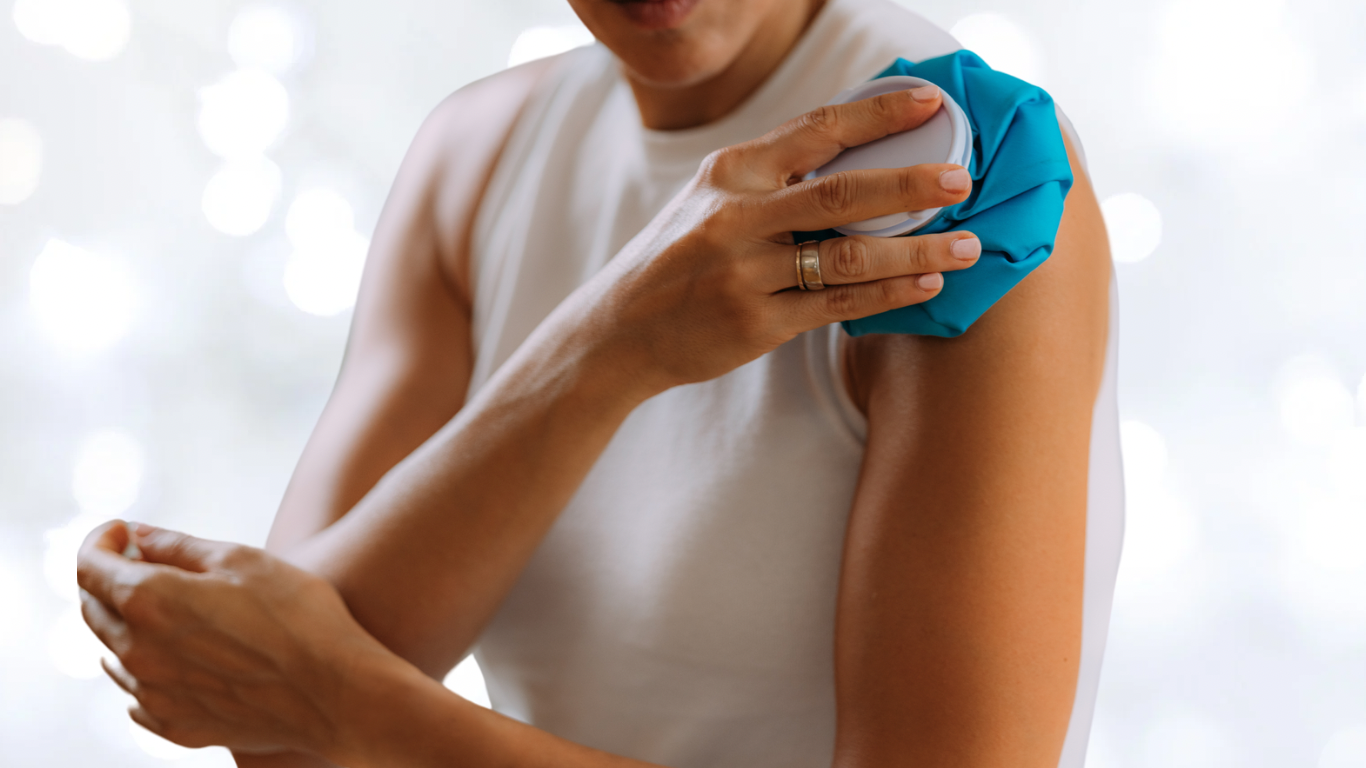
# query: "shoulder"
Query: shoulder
{"points": [[486, 108], [1059, 313], [454, 153], [468, 128]]}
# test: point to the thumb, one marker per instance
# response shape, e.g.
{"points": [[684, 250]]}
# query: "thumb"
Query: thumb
{"points": [[180, 550]]}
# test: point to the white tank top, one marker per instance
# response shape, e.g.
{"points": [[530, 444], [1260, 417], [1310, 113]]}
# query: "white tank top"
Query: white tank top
{"points": [[682, 608]]}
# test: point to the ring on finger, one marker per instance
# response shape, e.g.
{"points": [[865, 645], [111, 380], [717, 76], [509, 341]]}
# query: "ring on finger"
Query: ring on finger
{"points": [[809, 266]]}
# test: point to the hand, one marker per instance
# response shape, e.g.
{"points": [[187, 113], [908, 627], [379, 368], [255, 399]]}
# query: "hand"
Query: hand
{"points": [[706, 286], [223, 644]]}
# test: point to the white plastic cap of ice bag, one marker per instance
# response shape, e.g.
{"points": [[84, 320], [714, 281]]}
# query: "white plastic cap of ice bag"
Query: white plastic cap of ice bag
{"points": [[944, 138]]}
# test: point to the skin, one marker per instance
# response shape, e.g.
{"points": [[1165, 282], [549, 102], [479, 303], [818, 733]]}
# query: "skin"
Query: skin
{"points": [[965, 546], [700, 69]]}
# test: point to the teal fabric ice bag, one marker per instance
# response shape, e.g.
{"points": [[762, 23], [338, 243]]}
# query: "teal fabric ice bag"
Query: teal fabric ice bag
{"points": [[1021, 177]]}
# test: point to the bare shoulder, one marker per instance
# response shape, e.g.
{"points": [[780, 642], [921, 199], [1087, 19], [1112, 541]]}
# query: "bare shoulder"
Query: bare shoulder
{"points": [[970, 517], [1059, 313], [456, 150]]}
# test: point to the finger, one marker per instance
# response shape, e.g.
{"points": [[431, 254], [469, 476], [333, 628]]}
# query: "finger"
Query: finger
{"points": [[101, 569], [861, 259], [177, 549], [120, 676], [806, 310], [164, 710], [178, 720], [850, 196], [805, 143], [145, 719], [107, 626]]}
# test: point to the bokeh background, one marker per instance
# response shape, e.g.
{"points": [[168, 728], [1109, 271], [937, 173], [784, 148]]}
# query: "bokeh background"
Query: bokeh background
{"points": [[186, 192]]}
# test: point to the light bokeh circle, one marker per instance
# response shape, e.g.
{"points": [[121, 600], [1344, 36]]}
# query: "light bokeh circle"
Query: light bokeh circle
{"points": [[72, 648], [84, 301], [21, 160], [108, 472], [1134, 225], [94, 30], [241, 195], [266, 37], [243, 114]]}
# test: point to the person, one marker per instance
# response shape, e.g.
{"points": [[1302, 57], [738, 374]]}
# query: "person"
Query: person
{"points": [[586, 428]]}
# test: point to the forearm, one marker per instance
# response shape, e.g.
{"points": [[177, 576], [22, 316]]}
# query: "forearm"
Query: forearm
{"points": [[452, 525], [396, 717]]}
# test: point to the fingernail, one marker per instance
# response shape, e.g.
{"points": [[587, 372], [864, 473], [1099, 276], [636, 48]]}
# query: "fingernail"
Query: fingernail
{"points": [[966, 249], [925, 93], [956, 180], [931, 282]]}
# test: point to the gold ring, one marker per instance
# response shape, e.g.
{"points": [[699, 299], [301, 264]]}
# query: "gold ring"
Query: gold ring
{"points": [[801, 283], [809, 260]]}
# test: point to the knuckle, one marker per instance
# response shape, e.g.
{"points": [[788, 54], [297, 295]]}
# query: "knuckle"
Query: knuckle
{"points": [[851, 258], [169, 542], [713, 234], [724, 217], [823, 121], [841, 302], [898, 293], [235, 557], [919, 254], [143, 602], [721, 164], [908, 187], [710, 167], [887, 107], [835, 193]]}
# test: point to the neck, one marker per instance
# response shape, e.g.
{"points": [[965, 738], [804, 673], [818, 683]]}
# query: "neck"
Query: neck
{"points": [[667, 109]]}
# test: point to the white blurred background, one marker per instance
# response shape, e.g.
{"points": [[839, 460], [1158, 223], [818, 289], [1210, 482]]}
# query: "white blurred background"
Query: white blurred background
{"points": [[186, 193]]}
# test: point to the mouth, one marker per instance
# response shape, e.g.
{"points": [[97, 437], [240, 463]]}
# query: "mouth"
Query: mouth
{"points": [[656, 14]]}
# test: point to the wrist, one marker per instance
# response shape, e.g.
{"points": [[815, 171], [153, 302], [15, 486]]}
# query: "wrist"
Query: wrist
{"points": [[619, 367], [370, 705], [583, 358]]}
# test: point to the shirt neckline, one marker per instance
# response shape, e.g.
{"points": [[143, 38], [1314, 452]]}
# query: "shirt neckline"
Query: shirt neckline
{"points": [[690, 145]]}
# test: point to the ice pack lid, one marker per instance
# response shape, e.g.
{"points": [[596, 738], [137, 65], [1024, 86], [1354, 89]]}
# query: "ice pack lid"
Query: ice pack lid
{"points": [[944, 138]]}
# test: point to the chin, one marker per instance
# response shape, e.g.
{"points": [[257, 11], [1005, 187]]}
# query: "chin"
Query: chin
{"points": [[673, 43], [677, 66]]}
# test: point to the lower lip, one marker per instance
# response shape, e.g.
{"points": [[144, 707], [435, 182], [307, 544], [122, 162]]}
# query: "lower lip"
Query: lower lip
{"points": [[658, 14]]}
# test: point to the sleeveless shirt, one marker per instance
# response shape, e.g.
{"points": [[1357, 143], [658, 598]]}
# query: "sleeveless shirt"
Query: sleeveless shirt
{"points": [[682, 608]]}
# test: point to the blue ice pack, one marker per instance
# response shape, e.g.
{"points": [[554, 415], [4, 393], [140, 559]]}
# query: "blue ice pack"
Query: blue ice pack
{"points": [[1021, 177]]}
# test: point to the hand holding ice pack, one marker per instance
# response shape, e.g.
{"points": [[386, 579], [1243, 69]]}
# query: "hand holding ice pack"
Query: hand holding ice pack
{"points": [[1018, 163], [945, 138]]}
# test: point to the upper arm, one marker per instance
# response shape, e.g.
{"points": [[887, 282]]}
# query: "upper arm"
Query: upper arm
{"points": [[409, 355], [959, 624]]}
